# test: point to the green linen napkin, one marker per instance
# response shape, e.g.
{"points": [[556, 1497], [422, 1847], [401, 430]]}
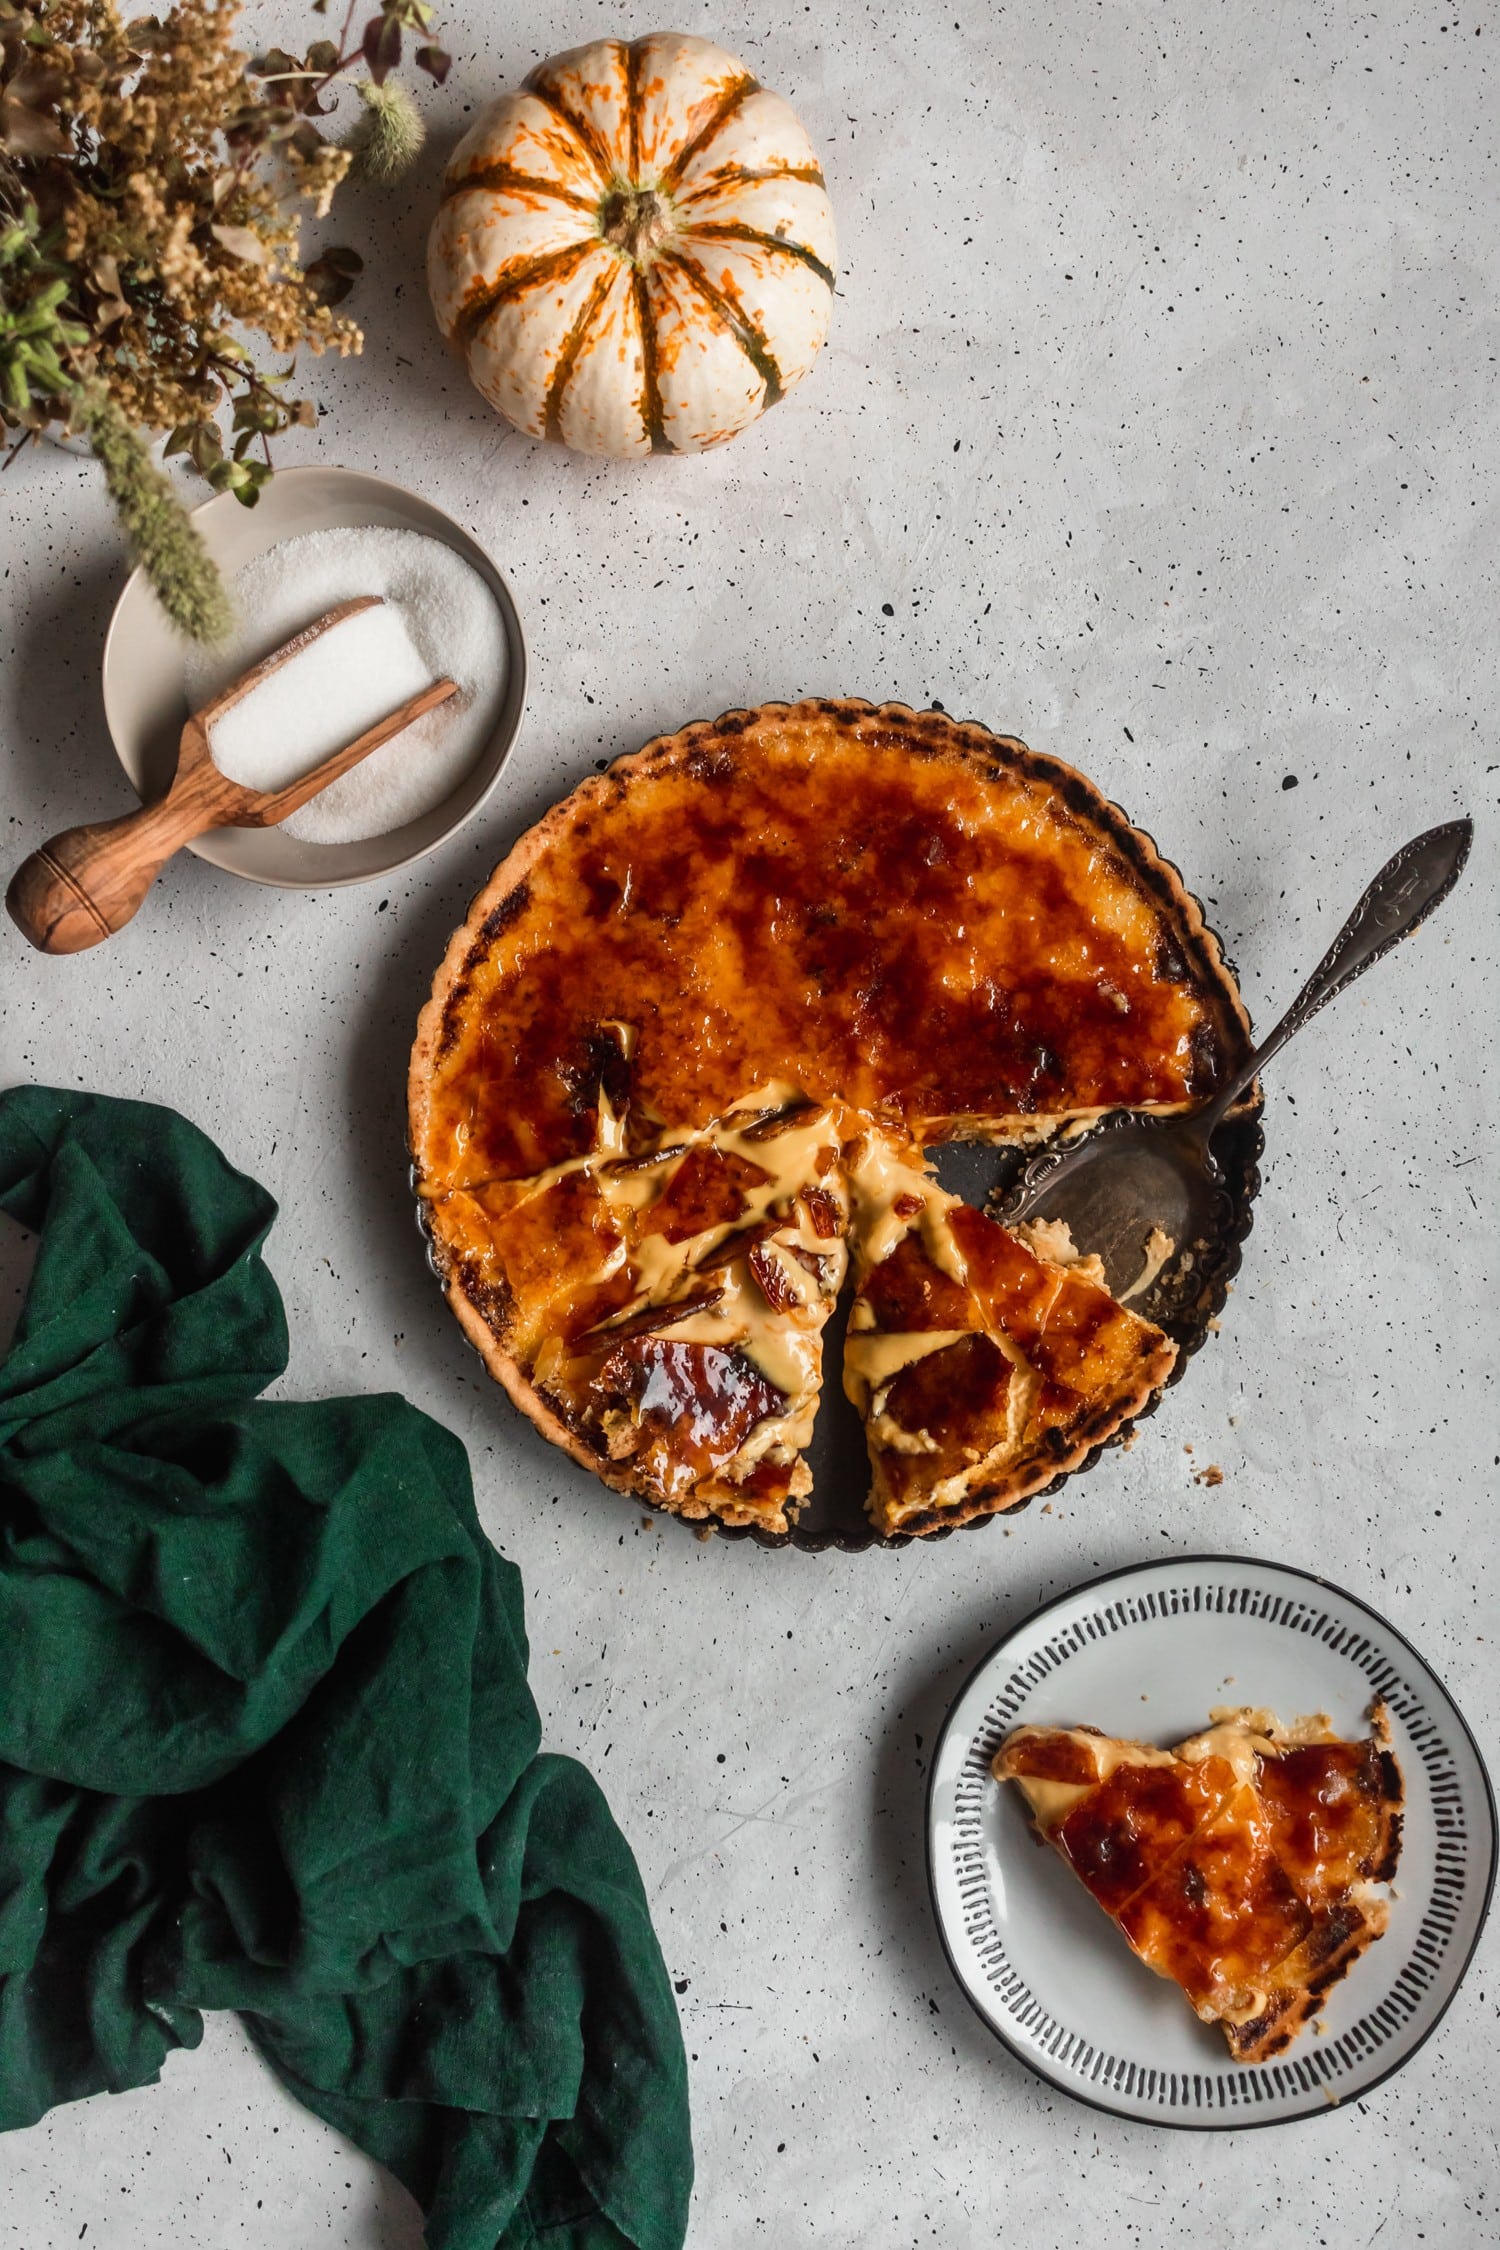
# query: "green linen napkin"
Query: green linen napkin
{"points": [[266, 1741]]}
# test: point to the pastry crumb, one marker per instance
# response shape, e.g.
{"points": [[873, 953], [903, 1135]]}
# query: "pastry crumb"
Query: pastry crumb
{"points": [[1156, 1250], [1052, 1241], [1213, 1474]]}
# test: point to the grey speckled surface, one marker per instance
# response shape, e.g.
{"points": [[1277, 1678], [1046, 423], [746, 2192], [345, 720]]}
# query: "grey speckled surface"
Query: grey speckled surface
{"points": [[1158, 426]]}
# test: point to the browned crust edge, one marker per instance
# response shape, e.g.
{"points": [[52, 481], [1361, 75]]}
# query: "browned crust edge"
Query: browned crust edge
{"points": [[931, 734], [1347, 1934]]}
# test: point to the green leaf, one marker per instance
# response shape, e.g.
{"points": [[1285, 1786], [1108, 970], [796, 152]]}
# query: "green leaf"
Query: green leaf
{"points": [[254, 475], [205, 448]]}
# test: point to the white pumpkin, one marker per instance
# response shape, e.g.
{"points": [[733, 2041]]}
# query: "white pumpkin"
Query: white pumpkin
{"points": [[635, 252]]}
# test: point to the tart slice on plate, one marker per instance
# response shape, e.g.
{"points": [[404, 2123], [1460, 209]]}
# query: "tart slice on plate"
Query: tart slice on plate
{"points": [[1246, 1865]]}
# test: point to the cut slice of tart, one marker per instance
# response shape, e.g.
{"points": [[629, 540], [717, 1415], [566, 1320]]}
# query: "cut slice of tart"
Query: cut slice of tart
{"points": [[665, 1310], [1244, 1865], [984, 1362], [771, 942]]}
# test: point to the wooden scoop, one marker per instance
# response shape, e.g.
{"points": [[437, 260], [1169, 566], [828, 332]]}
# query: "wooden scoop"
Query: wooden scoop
{"points": [[88, 882]]}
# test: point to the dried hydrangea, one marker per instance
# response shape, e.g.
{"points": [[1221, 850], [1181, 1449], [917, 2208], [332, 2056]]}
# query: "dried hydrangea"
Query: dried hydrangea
{"points": [[153, 178]]}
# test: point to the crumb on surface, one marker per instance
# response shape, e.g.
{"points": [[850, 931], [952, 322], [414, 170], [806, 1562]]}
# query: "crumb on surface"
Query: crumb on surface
{"points": [[1213, 1474]]}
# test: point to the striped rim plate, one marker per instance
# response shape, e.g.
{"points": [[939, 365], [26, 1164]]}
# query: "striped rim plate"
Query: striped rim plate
{"points": [[1147, 1652]]}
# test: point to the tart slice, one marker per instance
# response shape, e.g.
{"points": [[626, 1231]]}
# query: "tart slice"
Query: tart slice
{"points": [[664, 1310], [1242, 1865], [985, 1362]]}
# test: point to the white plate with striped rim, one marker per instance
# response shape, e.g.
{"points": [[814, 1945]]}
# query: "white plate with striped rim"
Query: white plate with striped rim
{"points": [[1146, 1652]]}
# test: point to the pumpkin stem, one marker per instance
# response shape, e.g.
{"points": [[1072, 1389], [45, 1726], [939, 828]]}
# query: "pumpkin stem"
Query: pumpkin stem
{"points": [[636, 220]]}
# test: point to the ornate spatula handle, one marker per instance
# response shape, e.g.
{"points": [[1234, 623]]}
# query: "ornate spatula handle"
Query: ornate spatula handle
{"points": [[1411, 883]]}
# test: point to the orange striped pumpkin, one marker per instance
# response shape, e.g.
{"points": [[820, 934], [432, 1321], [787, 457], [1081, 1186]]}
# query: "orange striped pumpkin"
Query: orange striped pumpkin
{"points": [[635, 252]]}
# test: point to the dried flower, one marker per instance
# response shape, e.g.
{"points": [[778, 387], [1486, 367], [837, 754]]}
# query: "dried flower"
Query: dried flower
{"points": [[152, 180], [389, 133]]}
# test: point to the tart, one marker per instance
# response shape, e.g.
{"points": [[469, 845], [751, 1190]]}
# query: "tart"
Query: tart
{"points": [[683, 1063], [1244, 1865]]}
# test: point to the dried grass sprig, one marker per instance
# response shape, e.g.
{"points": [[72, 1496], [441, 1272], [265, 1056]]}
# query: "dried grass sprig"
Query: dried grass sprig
{"points": [[162, 535]]}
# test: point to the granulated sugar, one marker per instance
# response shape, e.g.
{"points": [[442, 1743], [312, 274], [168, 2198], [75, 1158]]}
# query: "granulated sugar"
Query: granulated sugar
{"points": [[340, 685], [439, 620]]}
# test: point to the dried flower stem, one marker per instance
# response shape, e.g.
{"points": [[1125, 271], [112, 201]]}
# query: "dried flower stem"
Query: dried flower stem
{"points": [[166, 543]]}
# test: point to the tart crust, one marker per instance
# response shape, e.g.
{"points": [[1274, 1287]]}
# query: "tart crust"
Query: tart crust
{"points": [[514, 1077]]}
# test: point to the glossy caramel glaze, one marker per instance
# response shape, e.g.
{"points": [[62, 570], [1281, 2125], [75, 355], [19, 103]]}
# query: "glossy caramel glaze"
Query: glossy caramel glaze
{"points": [[919, 920], [1335, 1808], [1242, 1878], [910, 928], [1130, 1826]]}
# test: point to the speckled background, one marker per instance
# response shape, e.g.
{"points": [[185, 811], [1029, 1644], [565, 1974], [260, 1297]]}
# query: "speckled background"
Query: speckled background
{"points": [[1157, 426]]}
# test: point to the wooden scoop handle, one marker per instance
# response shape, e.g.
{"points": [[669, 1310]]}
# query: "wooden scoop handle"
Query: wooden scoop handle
{"points": [[87, 883]]}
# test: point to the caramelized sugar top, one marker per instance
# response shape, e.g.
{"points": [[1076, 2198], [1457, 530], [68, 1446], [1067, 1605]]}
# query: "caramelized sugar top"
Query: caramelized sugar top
{"points": [[1335, 1811], [922, 922]]}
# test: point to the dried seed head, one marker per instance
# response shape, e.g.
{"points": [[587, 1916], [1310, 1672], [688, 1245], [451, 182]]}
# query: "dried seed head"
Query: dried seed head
{"points": [[389, 132]]}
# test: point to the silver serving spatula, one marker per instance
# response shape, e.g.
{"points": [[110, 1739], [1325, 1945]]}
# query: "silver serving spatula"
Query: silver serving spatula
{"points": [[1133, 1175]]}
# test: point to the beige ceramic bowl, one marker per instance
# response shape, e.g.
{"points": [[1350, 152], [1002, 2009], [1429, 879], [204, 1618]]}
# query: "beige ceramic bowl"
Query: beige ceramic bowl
{"points": [[145, 702]]}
